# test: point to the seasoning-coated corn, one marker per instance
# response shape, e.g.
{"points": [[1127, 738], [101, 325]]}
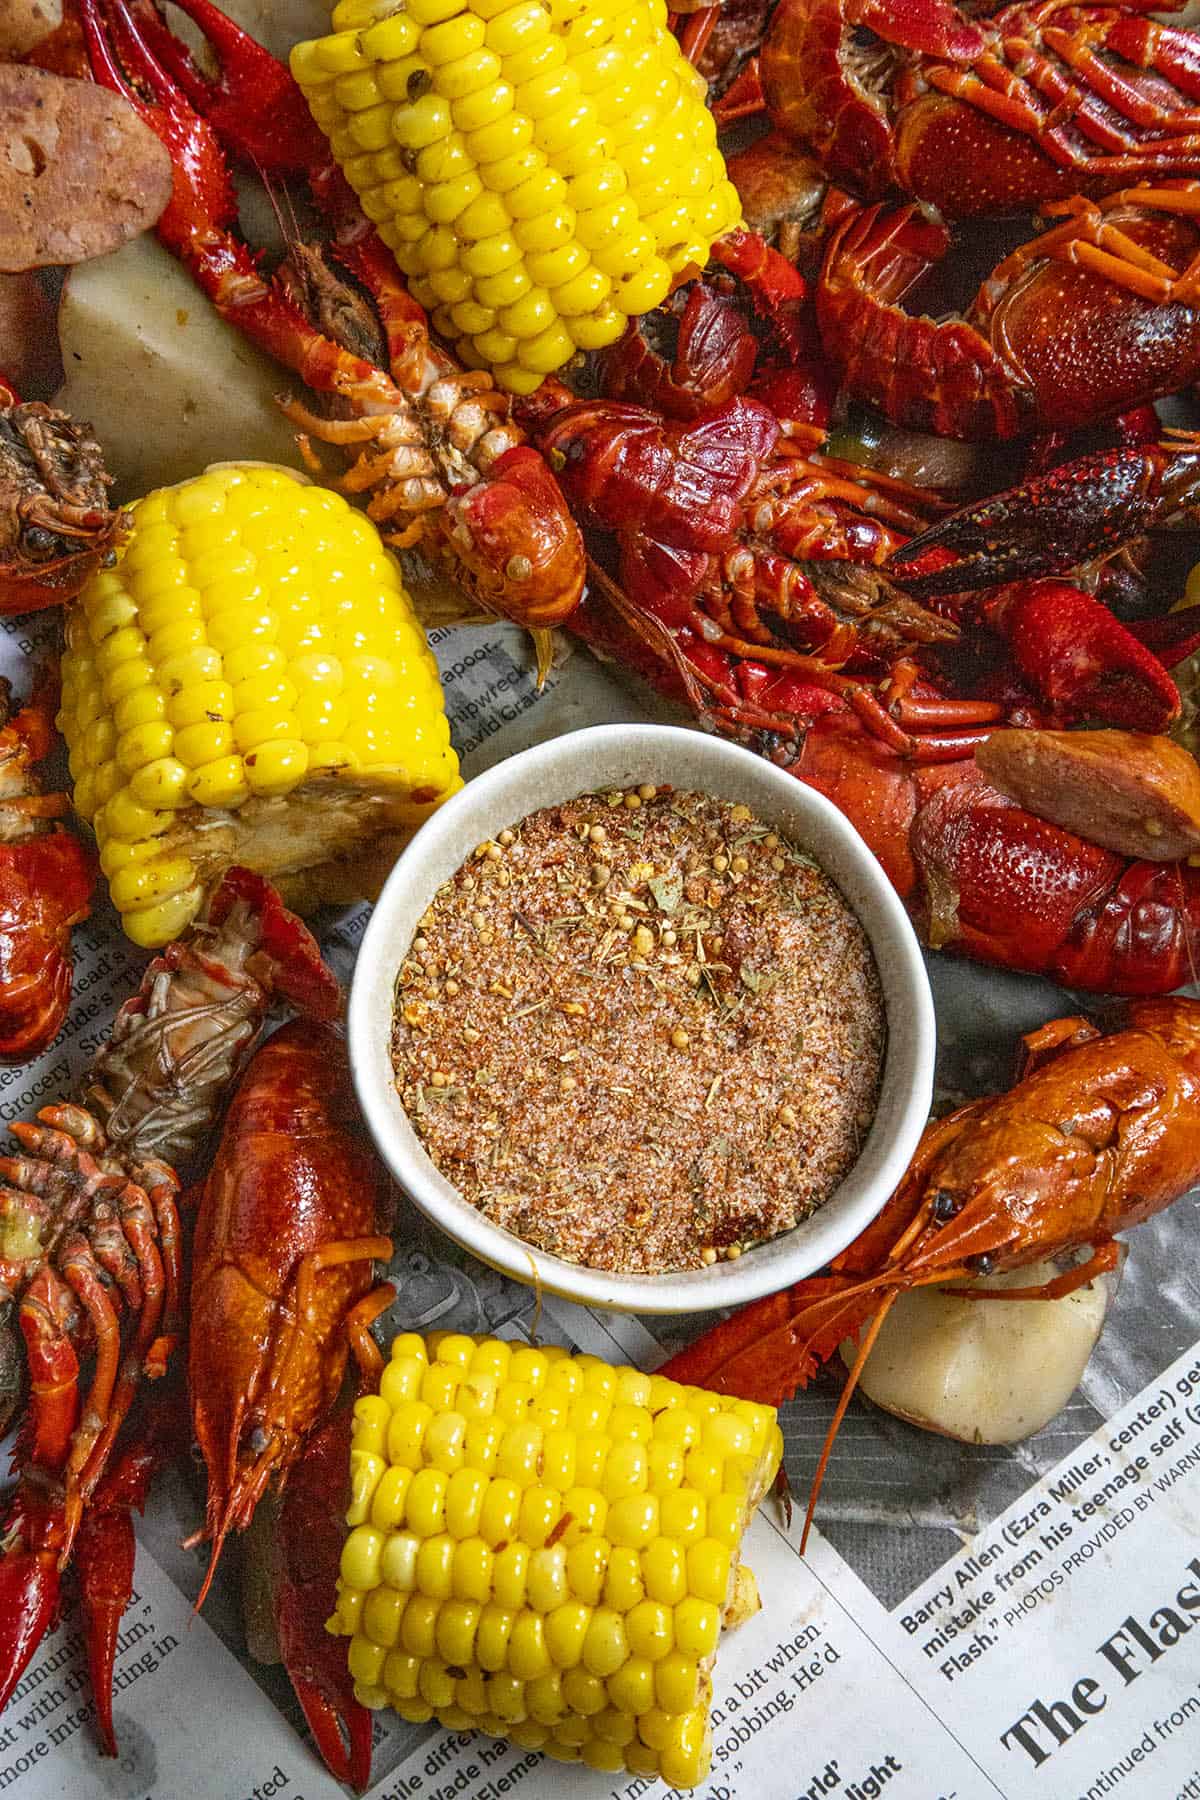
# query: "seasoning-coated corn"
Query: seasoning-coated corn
{"points": [[249, 684], [540, 171], [521, 1561]]}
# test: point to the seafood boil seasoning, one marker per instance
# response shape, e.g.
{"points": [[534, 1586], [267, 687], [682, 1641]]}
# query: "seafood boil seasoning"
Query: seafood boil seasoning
{"points": [[640, 1031]]}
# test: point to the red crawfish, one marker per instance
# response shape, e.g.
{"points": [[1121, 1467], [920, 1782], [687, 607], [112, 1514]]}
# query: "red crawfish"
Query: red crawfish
{"points": [[287, 1232]]}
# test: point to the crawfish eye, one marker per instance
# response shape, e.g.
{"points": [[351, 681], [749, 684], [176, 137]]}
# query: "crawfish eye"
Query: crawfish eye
{"points": [[37, 538], [944, 1205], [984, 1264]]}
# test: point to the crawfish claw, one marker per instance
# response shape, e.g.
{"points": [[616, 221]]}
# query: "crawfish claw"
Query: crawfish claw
{"points": [[1055, 521], [29, 1596], [344, 1742]]}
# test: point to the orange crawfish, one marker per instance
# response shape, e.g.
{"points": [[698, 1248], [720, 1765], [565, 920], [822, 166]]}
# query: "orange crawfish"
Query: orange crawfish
{"points": [[1102, 1132], [282, 1285]]}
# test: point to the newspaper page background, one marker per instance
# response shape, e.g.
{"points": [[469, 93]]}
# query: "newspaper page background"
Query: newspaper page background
{"points": [[968, 1621]]}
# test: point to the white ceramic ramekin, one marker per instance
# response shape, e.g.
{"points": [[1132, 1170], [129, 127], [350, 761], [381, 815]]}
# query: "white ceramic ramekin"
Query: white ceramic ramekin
{"points": [[613, 756]]}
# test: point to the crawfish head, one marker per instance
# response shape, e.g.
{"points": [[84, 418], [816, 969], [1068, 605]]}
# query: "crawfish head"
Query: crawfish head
{"points": [[56, 525], [516, 543]]}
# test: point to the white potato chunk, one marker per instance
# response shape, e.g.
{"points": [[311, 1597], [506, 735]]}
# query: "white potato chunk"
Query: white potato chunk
{"points": [[984, 1372], [166, 384]]}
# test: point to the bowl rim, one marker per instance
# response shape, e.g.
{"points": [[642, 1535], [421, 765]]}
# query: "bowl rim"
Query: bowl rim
{"points": [[440, 847]]}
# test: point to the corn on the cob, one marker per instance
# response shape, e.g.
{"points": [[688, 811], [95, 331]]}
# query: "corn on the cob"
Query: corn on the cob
{"points": [[541, 169], [249, 684], [544, 1547]]}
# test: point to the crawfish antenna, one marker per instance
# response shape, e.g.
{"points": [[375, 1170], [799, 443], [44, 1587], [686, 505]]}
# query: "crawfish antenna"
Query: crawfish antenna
{"points": [[865, 1348]]}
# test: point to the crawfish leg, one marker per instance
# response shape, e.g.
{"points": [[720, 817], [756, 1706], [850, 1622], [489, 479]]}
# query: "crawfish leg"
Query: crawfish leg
{"points": [[1103, 1259], [367, 1355], [83, 1278], [835, 1424], [307, 1312], [1049, 1040], [138, 1223]]}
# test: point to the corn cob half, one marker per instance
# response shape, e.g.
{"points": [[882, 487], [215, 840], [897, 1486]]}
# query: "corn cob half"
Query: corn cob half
{"points": [[248, 685], [540, 169], [545, 1547]]}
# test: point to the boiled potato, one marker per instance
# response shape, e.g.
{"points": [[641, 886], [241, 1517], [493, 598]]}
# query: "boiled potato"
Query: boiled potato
{"points": [[166, 384], [988, 1373]]}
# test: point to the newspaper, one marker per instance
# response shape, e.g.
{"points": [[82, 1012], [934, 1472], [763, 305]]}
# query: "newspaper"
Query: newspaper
{"points": [[967, 1621]]}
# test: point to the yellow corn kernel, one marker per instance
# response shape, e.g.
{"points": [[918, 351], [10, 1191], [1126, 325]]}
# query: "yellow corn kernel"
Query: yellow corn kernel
{"points": [[676, 1682], [435, 1565], [491, 1644], [623, 1587], [547, 1582], [510, 1574], [382, 1612], [528, 1656], [361, 1556], [400, 1381], [366, 1660], [366, 1472], [667, 1572], [472, 1576], [458, 1621], [418, 1627]]}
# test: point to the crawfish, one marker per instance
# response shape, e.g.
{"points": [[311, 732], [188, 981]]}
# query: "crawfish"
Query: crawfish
{"points": [[1095, 316], [1102, 1132], [287, 1231], [975, 116], [90, 1235], [56, 526], [46, 881], [445, 469]]}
